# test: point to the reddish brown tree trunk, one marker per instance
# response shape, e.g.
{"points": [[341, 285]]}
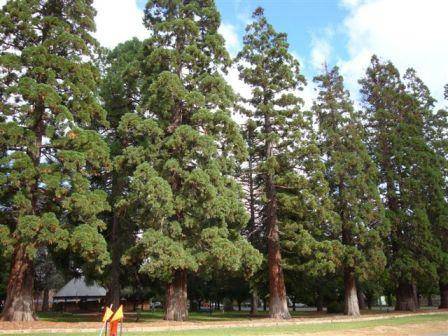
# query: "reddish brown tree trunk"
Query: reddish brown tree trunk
{"points": [[19, 299], [406, 297], [351, 306], [278, 305], [443, 296], [176, 297]]}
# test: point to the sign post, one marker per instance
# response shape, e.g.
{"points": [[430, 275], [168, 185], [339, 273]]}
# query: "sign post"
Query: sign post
{"points": [[107, 315]]}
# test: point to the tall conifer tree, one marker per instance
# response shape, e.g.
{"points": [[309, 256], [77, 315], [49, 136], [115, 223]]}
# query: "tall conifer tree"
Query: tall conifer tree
{"points": [[396, 123], [269, 69], [47, 105], [285, 147], [120, 91], [352, 177], [435, 127], [192, 209]]}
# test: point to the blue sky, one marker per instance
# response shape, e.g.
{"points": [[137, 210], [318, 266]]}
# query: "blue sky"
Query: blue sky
{"points": [[305, 21], [411, 33]]}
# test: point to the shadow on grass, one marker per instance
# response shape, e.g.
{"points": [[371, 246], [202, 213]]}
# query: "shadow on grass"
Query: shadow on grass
{"points": [[145, 317]]}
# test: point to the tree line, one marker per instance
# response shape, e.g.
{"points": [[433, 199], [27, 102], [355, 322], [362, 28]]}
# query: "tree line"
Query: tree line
{"points": [[128, 166]]}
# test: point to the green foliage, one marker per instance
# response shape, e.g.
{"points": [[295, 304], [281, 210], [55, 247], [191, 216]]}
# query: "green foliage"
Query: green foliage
{"points": [[285, 160], [48, 105], [343, 190], [186, 201], [352, 178], [128, 138], [397, 112]]}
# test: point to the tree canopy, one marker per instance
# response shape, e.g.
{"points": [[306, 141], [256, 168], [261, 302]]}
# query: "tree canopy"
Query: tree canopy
{"points": [[48, 106], [141, 168]]}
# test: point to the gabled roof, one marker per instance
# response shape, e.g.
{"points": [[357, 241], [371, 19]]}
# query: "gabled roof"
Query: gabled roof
{"points": [[77, 287]]}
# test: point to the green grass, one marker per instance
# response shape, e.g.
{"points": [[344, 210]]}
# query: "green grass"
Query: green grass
{"points": [[285, 329], [157, 316]]}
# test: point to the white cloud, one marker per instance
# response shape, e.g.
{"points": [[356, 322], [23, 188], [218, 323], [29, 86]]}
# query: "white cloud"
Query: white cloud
{"points": [[320, 52], [233, 44], [411, 33], [238, 86], [308, 94], [118, 21]]}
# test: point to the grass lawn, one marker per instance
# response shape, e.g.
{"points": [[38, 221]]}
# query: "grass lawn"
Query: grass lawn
{"points": [[155, 316], [285, 329], [158, 315]]}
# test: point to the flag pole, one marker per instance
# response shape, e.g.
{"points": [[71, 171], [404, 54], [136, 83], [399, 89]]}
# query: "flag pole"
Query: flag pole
{"points": [[104, 326]]}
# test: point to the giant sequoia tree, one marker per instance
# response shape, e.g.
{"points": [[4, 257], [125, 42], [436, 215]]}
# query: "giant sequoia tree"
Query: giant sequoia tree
{"points": [[191, 207], [352, 177], [435, 126], [47, 104], [281, 140], [120, 91], [396, 116]]}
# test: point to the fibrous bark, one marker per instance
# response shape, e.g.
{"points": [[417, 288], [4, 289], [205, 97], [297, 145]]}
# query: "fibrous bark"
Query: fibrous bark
{"points": [[176, 297], [278, 305], [19, 305], [351, 306]]}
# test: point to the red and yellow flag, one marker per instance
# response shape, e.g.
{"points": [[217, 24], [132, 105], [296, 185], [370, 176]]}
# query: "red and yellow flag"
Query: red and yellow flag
{"points": [[107, 314], [118, 314]]}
